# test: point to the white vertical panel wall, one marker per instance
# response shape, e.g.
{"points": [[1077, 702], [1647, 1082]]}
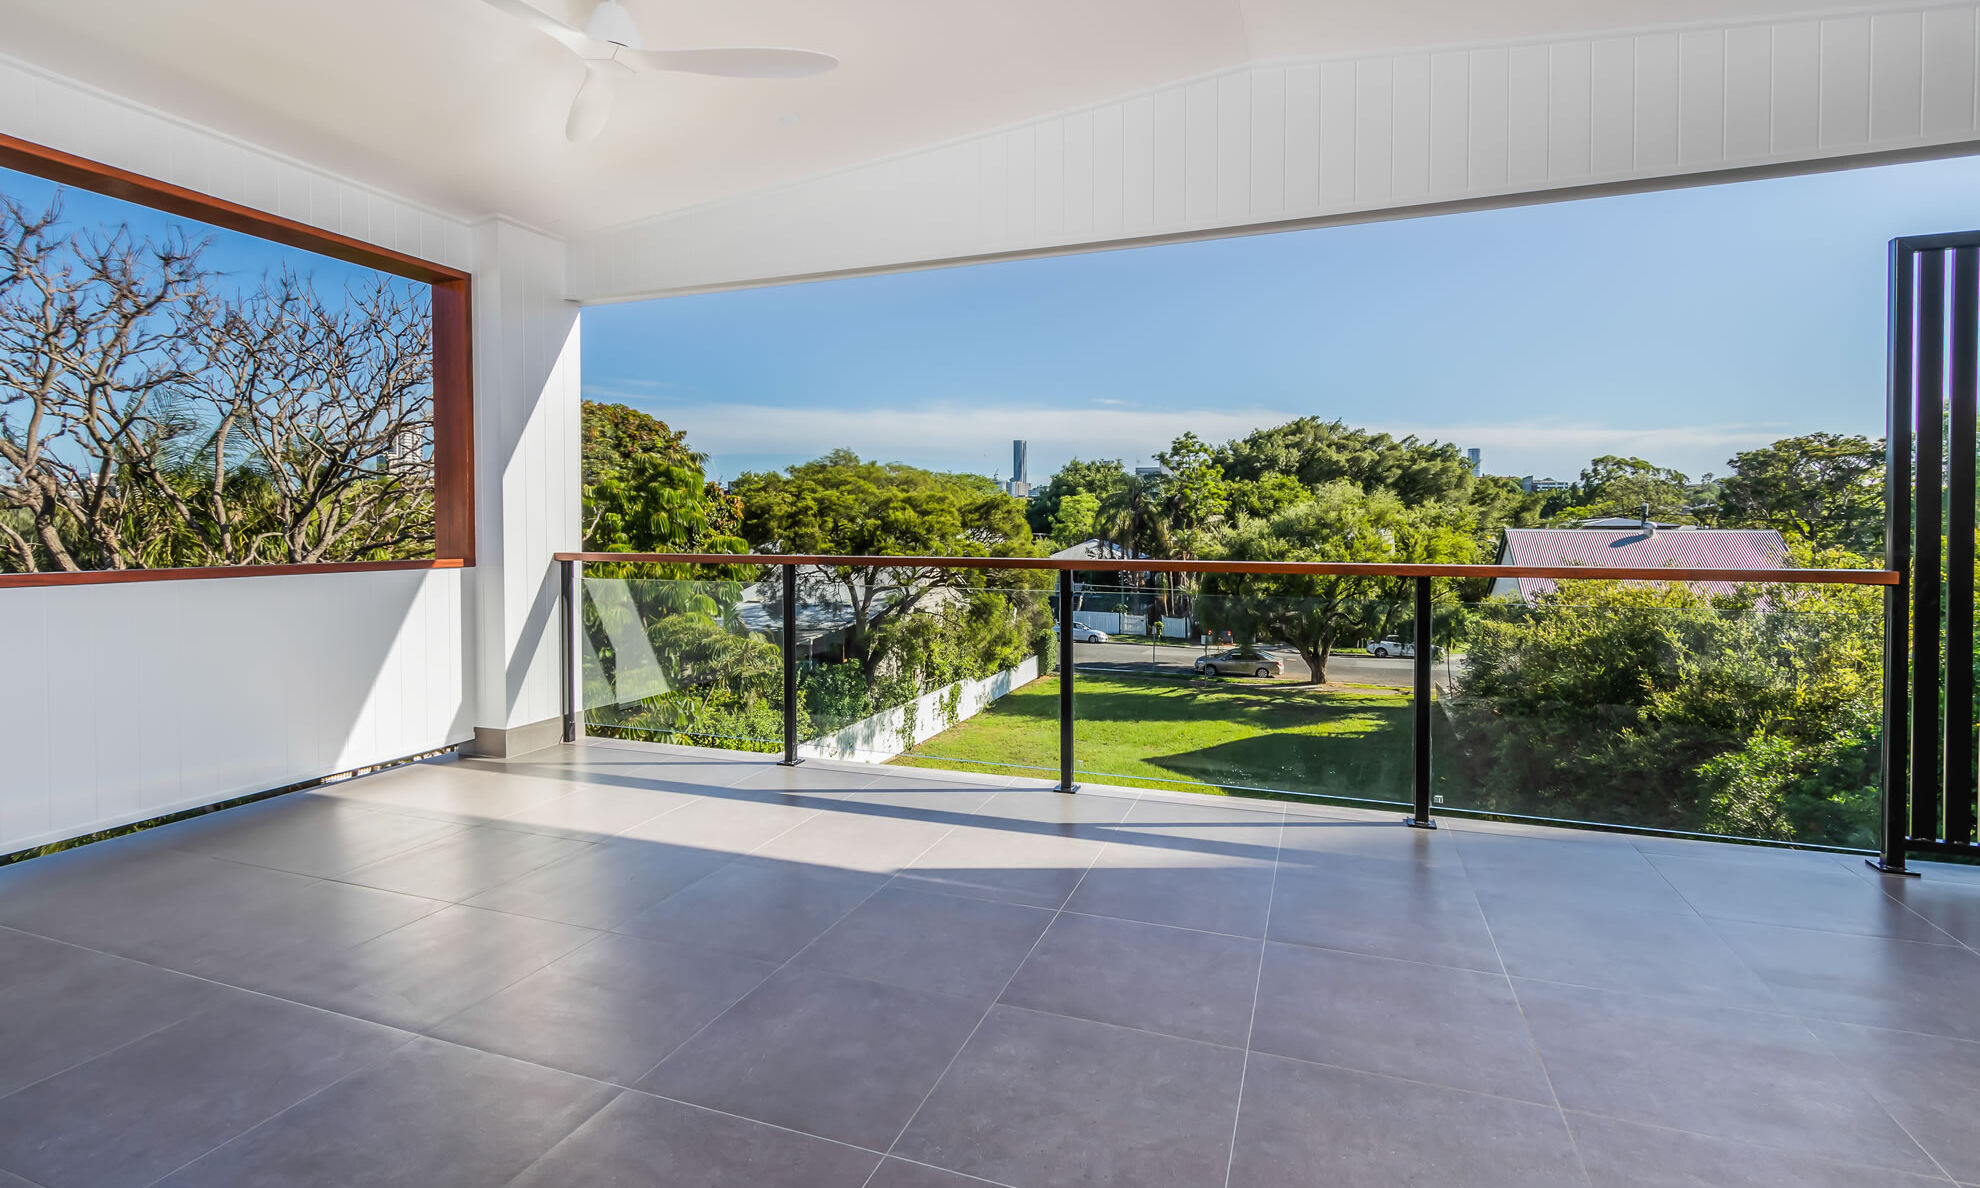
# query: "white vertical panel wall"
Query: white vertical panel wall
{"points": [[122, 702], [1341, 139]]}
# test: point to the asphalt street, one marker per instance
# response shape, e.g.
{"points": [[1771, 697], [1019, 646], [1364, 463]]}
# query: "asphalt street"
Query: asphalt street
{"points": [[1173, 660]]}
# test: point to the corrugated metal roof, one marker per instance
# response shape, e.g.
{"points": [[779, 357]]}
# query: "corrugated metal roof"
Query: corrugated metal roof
{"points": [[1716, 548]]}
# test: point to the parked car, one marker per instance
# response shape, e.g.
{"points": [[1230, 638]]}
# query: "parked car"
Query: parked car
{"points": [[1084, 634], [1238, 662], [1384, 648]]}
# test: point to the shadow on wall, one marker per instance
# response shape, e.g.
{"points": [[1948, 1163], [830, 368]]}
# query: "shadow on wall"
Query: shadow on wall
{"points": [[126, 702]]}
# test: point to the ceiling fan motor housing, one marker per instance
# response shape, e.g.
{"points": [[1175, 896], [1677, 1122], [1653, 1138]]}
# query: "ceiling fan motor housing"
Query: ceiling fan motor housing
{"points": [[611, 23]]}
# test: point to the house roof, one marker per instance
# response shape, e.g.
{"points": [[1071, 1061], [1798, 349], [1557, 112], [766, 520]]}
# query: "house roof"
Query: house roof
{"points": [[1705, 548], [1092, 550]]}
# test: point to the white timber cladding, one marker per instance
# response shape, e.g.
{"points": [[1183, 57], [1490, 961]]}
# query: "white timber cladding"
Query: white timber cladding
{"points": [[124, 702], [1341, 139], [49, 110]]}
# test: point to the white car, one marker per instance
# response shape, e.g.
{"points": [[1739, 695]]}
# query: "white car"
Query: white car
{"points": [[1238, 662], [1084, 634], [1382, 649]]}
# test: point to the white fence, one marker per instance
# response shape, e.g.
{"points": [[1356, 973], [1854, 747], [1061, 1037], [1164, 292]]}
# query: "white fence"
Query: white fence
{"points": [[887, 734], [1115, 623]]}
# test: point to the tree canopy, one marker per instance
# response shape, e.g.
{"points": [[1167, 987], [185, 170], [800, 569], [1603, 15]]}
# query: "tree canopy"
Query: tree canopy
{"points": [[1825, 489], [645, 490], [1314, 452]]}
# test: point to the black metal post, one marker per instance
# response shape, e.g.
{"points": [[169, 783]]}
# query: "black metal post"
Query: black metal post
{"points": [[1928, 425], [1066, 682], [573, 650], [1420, 736], [1897, 558], [790, 668], [1958, 722]]}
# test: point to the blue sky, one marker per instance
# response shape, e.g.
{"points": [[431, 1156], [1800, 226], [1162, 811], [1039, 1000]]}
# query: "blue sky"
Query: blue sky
{"points": [[241, 259], [1681, 326]]}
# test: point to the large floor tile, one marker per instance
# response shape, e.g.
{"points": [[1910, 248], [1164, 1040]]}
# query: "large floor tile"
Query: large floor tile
{"points": [[1562, 866], [313, 835], [1040, 810], [592, 812], [449, 790], [1309, 1126], [768, 910], [1371, 847], [1625, 1155], [837, 1057], [1164, 824], [1197, 985], [1188, 889], [1931, 1085], [1743, 1075], [612, 1010], [1044, 1102], [464, 864], [430, 1115], [641, 1140], [1416, 914], [1872, 980], [1951, 904], [968, 948], [1013, 863], [142, 1110], [437, 966], [723, 823], [60, 1005], [1649, 950], [1836, 901], [901, 1173], [605, 885], [1455, 1027], [843, 838]]}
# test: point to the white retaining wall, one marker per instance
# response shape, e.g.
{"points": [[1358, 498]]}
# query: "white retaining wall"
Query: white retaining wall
{"points": [[885, 735]]}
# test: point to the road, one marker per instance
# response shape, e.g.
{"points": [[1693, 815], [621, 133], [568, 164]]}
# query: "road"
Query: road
{"points": [[1174, 660]]}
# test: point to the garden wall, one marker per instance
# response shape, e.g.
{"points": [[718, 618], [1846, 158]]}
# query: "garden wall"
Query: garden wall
{"points": [[889, 733]]}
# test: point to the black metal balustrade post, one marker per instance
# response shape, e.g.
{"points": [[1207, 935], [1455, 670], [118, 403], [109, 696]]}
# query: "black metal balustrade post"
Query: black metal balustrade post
{"points": [[1420, 733], [573, 651], [1958, 782], [790, 667], [1897, 558], [1066, 682]]}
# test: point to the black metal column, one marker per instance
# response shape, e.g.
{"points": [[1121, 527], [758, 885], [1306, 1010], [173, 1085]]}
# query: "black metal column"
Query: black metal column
{"points": [[790, 758], [1896, 776], [573, 651], [1420, 735], [1066, 682], [1927, 575], [1958, 724]]}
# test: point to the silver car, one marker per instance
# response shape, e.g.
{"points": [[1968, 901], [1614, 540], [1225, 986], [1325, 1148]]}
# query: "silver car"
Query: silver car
{"points": [[1239, 662]]}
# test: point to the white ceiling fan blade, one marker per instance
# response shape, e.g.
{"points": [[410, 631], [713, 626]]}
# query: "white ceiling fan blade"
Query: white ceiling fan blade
{"points": [[733, 61], [592, 106], [573, 39]]}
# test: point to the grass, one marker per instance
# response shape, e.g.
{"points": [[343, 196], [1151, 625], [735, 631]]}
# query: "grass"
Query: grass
{"points": [[1199, 734]]}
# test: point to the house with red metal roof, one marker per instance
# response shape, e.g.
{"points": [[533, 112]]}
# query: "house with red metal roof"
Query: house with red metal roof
{"points": [[1645, 543]]}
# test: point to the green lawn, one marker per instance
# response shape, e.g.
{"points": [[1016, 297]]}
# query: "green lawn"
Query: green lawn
{"points": [[1197, 734]]}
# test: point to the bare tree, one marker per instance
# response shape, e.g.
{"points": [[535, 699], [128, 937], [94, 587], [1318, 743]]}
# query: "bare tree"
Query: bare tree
{"points": [[147, 418]]}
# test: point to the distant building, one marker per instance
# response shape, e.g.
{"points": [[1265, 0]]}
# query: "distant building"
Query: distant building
{"points": [[1148, 472], [1644, 544], [1477, 461], [1020, 484], [1529, 484]]}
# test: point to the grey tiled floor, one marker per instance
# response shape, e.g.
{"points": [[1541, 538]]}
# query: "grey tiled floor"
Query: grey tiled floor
{"points": [[615, 964]]}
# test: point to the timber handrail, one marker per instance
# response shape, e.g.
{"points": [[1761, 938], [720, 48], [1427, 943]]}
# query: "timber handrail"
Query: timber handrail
{"points": [[1803, 577]]}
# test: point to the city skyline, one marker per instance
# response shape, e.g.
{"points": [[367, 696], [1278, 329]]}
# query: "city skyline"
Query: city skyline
{"points": [[1681, 326]]}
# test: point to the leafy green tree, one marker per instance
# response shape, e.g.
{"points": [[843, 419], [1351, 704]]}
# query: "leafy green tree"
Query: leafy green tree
{"points": [[1660, 706], [1194, 491], [1076, 520], [1096, 478], [1616, 486], [843, 505], [1315, 614], [645, 490], [1826, 489], [1264, 497], [1314, 452]]}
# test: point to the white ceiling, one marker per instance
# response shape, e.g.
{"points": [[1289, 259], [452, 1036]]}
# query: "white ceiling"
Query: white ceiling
{"points": [[458, 105]]}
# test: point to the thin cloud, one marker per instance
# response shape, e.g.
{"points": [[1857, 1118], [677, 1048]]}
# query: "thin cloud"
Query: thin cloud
{"points": [[977, 435]]}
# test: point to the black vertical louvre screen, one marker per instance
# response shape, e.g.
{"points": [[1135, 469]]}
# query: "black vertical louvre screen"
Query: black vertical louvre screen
{"points": [[1929, 737]]}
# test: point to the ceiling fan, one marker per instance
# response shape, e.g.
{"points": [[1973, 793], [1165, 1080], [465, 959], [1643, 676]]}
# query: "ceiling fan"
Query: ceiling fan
{"points": [[611, 48]]}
